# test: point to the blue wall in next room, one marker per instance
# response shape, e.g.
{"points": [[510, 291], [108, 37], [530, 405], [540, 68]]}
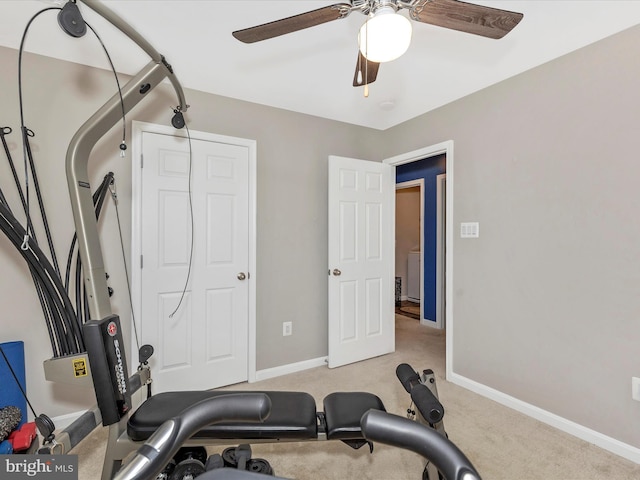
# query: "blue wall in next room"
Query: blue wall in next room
{"points": [[428, 169]]}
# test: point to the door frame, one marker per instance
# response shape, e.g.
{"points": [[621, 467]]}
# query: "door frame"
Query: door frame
{"points": [[138, 128], [446, 148], [440, 246], [419, 182]]}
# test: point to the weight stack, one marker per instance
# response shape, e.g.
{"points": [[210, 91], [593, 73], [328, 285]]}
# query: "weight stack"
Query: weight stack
{"points": [[10, 393]]}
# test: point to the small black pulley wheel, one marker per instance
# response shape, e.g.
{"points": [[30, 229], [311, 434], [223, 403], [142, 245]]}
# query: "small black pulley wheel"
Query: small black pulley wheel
{"points": [[187, 470], [259, 465], [197, 453], [213, 462], [166, 471], [229, 457]]}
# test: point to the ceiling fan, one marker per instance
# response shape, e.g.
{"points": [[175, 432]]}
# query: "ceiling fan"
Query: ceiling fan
{"points": [[386, 34]]}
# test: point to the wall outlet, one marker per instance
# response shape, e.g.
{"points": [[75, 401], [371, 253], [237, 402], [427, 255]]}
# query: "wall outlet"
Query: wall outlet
{"points": [[287, 329], [635, 388]]}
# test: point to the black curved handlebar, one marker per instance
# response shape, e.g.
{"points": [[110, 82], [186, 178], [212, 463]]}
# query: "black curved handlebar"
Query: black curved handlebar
{"points": [[151, 458], [383, 427]]}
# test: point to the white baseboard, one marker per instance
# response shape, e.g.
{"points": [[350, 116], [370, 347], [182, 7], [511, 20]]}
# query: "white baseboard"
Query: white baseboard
{"points": [[603, 441], [290, 368]]}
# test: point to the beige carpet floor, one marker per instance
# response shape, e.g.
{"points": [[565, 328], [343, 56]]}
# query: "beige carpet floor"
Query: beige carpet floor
{"points": [[502, 444]]}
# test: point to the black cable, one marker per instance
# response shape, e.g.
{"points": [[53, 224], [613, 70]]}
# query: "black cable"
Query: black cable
{"points": [[7, 225], [47, 313], [186, 282], [43, 298], [95, 197], [63, 332], [2, 198], [26, 134], [124, 261], [15, 377], [79, 290], [29, 228], [81, 302], [13, 167], [50, 283], [123, 145], [43, 283], [46, 271]]}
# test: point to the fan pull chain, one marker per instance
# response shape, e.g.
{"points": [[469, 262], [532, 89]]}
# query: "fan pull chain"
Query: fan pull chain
{"points": [[366, 62]]}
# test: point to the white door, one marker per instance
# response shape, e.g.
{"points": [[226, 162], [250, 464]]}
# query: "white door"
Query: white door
{"points": [[361, 256], [203, 343]]}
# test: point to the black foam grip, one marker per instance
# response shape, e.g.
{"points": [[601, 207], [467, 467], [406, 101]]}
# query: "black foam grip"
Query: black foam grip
{"points": [[378, 426], [407, 376], [427, 403]]}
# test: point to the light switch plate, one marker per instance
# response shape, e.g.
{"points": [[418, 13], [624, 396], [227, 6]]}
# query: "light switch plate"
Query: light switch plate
{"points": [[287, 329], [635, 388], [469, 230]]}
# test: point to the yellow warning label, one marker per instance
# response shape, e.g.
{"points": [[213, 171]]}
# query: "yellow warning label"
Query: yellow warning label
{"points": [[80, 367]]}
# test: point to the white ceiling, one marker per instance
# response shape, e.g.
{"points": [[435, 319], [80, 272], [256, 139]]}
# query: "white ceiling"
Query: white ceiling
{"points": [[311, 71]]}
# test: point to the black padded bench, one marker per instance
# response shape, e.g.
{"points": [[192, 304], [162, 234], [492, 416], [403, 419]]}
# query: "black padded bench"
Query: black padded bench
{"points": [[293, 416]]}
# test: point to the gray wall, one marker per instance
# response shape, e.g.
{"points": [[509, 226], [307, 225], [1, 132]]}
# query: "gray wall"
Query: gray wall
{"points": [[545, 303]]}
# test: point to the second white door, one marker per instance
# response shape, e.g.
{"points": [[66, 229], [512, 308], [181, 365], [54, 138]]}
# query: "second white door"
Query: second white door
{"points": [[361, 260], [201, 338]]}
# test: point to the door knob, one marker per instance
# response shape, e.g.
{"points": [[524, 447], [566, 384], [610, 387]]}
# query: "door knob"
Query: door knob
{"points": [[337, 272], [241, 276]]}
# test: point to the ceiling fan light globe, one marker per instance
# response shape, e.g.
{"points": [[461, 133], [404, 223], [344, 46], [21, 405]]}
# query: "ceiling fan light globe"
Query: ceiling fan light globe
{"points": [[385, 36]]}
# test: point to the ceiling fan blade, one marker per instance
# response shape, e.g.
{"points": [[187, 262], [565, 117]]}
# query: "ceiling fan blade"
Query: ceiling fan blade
{"points": [[366, 71], [467, 17], [293, 24]]}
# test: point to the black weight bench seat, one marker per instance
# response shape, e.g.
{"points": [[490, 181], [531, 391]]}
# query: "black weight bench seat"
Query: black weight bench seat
{"points": [[343, 411], [292, 417]]}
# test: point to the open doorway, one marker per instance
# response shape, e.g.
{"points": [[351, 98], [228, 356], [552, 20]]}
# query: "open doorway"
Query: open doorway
{"points": [[409, 244], [446, 149], [425, 261]]}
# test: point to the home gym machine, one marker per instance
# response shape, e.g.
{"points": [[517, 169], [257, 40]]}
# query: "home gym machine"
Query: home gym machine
{"points": [[430, 412], [292, 416], [376, 425]]}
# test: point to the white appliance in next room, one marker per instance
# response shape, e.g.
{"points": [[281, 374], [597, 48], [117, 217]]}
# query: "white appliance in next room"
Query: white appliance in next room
{"points": [[413, 277]]}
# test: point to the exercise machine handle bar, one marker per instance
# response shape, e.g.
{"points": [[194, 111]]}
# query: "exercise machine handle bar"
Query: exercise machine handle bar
{"points": [[83, 142], [383, 427], [165, 442], [426, 402], [118, 22]]}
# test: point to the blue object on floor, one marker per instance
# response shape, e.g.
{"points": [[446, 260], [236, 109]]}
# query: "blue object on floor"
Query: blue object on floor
{"points": [[6, 448], [10, 393]]}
